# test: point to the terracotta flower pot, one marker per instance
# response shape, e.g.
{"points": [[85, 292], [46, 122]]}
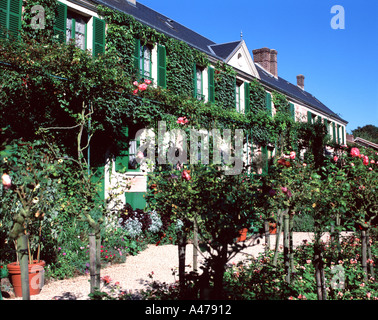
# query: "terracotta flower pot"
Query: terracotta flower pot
{"points": [[272, 227], [243, 235], [36, 277]]}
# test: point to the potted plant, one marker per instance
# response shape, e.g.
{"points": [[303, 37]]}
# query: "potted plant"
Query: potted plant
{"points": [[30, 188]]}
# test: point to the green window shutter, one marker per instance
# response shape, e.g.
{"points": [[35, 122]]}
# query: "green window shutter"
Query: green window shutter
{"points": [[61, 22], [211, 84], [334, 132], [98, 36], [268, 102], [10, 16], [264, 152], [342, 135], [194, 80], [162, 67], [122, 160], [292, 111], [309, 117], [137, 57], [326, 125], [246, 98]]}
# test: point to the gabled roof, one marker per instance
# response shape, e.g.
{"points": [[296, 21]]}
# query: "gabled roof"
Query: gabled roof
{"points": [[224, 50], [295, 92]]}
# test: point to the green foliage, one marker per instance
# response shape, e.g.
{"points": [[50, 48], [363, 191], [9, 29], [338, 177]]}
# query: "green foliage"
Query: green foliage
{"points": [[368, 132]]}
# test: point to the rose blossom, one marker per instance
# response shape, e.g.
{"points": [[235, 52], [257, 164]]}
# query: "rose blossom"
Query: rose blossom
{"points": [[142, 87], [335, 158], [354, 152], [365, 160], [182, 120], [292, 155], [7, 181]]}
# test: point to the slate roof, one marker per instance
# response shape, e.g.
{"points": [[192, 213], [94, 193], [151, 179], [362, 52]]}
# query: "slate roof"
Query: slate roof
{"points": [[176, 30], [161, 23], [294, 91], [224, 50]]}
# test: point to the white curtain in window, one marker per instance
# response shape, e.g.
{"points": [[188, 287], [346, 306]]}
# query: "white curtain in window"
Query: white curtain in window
{"points": [[199, 82], [80, 32], [69, 28]]}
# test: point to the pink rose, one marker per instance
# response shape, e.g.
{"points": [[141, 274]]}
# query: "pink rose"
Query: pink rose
{"points": [[147, 81], [7, 181], [370, 169], [284, 189], [335, 158], [135, 83], [182, 120], [142, 87], [372, 161], [365, 160], [354, 152], [292, 155], [352, 164]]}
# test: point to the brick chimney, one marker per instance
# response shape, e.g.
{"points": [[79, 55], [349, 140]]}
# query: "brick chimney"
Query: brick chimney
{"points": [[267, 59], [300, 81]]}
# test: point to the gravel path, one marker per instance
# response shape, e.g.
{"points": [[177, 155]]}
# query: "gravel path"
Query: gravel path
{"points": [[133, 274]]}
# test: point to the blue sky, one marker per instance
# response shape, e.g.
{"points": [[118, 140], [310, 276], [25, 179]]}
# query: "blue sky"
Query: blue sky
{"points": [[340, 66]]}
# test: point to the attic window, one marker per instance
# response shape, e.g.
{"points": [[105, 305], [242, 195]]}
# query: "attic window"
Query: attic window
{"points": [[168, 22]]}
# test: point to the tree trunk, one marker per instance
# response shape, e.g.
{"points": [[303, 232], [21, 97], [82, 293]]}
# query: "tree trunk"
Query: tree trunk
{"points": [[98, 257], [92, 262], [291, 256], [267, 236], [22, 249], [219, 268], [195, 246], [371, 265], [286, 247], [364, 253], [181, 237], [318, 271], [278, 234]]}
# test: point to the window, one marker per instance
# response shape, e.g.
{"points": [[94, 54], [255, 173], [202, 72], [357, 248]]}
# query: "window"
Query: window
{"points": [[142, 61], [76, 29], [198, 90], [71, 25], [127, 158], [10, 17], [237, 97], [145, 62]]}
